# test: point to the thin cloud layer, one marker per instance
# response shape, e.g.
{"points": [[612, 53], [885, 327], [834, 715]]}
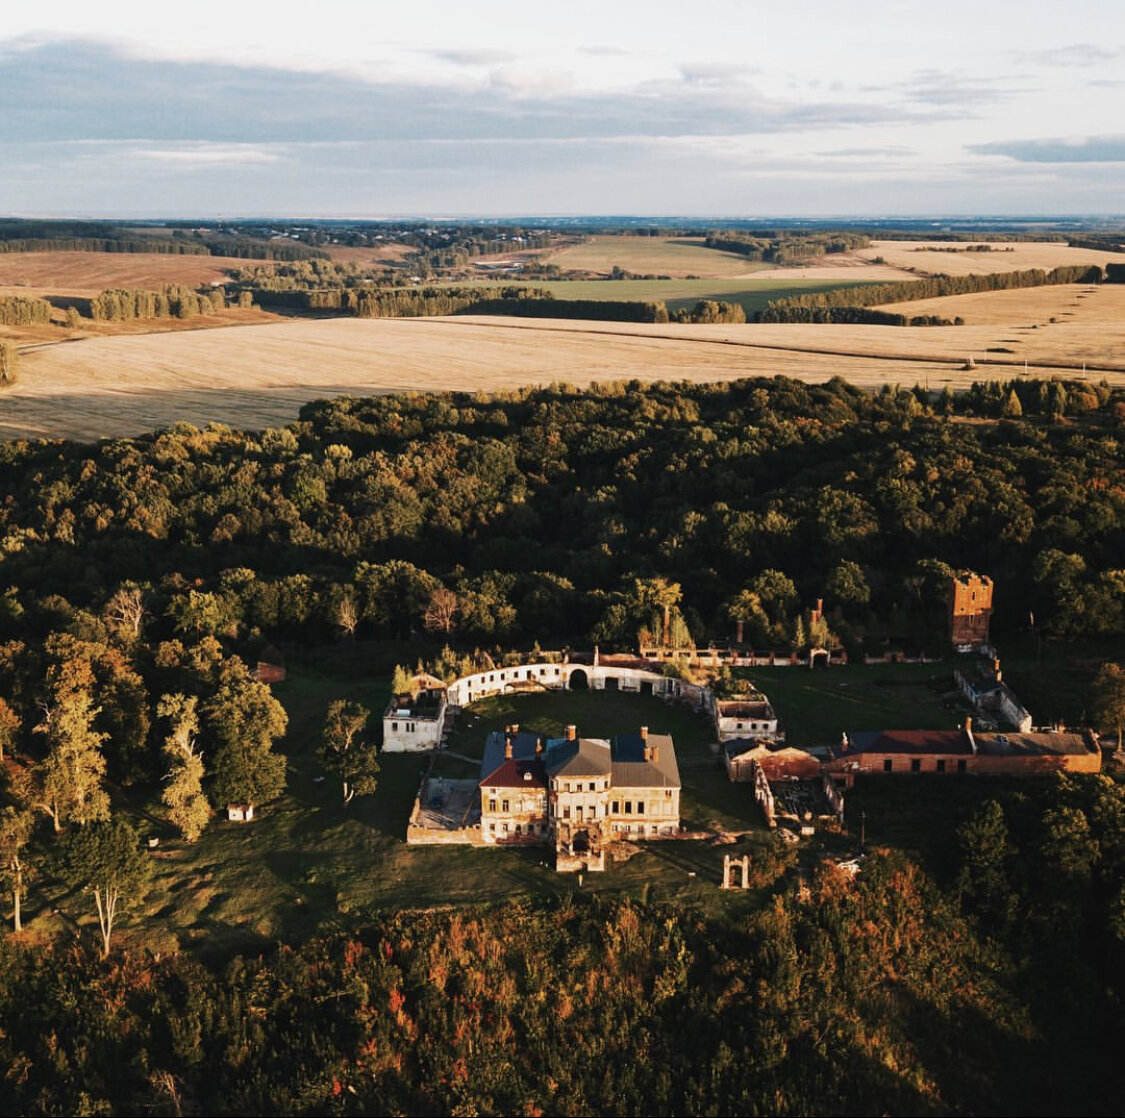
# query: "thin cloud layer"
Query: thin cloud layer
{"points": [[1079, 149], [80, 90]]}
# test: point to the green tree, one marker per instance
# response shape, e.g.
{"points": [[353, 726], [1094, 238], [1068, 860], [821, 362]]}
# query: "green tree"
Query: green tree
{"points": [[847, 585], [1109, 699], [245, 719], [401, 683], [9, 728], [985, 853], [15, 833], [106, 860], [67, 783], [9, 362], [346, 752], [183, 793]]}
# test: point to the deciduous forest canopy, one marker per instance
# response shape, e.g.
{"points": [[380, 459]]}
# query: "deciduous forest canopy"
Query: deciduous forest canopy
{"points": [[139, 576]]}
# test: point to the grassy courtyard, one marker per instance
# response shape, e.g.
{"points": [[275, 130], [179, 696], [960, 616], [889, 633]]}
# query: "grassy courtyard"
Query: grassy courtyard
{"points": [[817, 706], [308, 865]]}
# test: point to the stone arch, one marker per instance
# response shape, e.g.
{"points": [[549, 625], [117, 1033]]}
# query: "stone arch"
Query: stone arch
{"points": [[579, 680], [819, 658]]}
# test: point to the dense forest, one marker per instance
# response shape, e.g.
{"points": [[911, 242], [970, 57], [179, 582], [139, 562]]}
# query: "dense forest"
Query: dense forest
{"points": [[141, 578], [541, 508], [993, 987], [775, 247]]}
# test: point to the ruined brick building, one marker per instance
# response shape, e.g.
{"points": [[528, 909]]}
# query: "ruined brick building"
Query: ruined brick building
{"points": [[970, 610]]}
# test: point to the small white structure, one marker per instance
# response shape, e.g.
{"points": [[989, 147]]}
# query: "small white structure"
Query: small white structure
{"points": [[414, 723], [744, 716], [240, 813]]}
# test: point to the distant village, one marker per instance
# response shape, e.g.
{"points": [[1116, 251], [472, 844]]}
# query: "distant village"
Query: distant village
{"points": [[582, 795]]}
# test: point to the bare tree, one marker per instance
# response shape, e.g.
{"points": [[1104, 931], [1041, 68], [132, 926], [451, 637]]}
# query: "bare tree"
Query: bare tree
{"points": [[126, 611], [441, 611], [347, 614]]}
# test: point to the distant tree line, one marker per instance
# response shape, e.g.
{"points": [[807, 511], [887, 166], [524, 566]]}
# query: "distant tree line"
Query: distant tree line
{"points": [[786, 249], [710, 310], [162, 245], [413, 302], [172, 301], [842, 304]]}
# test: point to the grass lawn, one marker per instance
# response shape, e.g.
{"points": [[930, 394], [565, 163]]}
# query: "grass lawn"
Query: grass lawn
{"points": [[652, 255], [817, 706], [307, 865], [753, 292]]}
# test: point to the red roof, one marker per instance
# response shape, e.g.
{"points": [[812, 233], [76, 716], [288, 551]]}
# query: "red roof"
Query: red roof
{"points": [[907, 741], [515, 773]]}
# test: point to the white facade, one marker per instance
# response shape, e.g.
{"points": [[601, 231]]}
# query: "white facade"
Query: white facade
{"points": [[410, 727]]}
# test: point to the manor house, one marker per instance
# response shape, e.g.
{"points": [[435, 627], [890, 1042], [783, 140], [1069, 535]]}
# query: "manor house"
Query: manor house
{"points": [[581, 794]]}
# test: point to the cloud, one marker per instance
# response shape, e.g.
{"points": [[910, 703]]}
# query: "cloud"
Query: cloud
{"points": [[80, 89], [199, 154], [606, 52], [524, 79], [716, 73], [949, 88], [1076, 54], [1073, 149], [480, 57], [890, 152]]}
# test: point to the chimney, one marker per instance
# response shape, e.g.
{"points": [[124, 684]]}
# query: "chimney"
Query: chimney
{"points": [[654, 750], [969, 734], [515, 727], [538, 746], [738, 632], [508, 748], [644, 733], [844, 743], [572, 732], [996, 669]]}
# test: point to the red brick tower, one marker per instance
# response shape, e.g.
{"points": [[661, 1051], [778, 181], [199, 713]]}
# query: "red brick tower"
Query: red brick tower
{"points": [[970, 608]]}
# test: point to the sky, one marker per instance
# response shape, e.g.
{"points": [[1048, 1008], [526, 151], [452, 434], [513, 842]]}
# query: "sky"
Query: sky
{"points": [[732, 108]]}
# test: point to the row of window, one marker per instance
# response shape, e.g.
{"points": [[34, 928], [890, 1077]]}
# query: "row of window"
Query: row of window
{"points": [[505, 828], [916, 765]]}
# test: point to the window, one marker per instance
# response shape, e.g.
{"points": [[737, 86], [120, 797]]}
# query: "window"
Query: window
{"points": [[941, 766], [491, 805], [616, 807], [504, 806], [888, 765], [916, 765], [640, 807], [566, 812], [394, 726], [628, 807], [961, 766], [593, 787]]}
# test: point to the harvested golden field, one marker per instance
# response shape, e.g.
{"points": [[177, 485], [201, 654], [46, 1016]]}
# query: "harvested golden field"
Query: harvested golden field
{"points": [[255, 376], [1024, 254], [1103, 304], [87, 273], [666, 256], [371, 256], [31, 337]]}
